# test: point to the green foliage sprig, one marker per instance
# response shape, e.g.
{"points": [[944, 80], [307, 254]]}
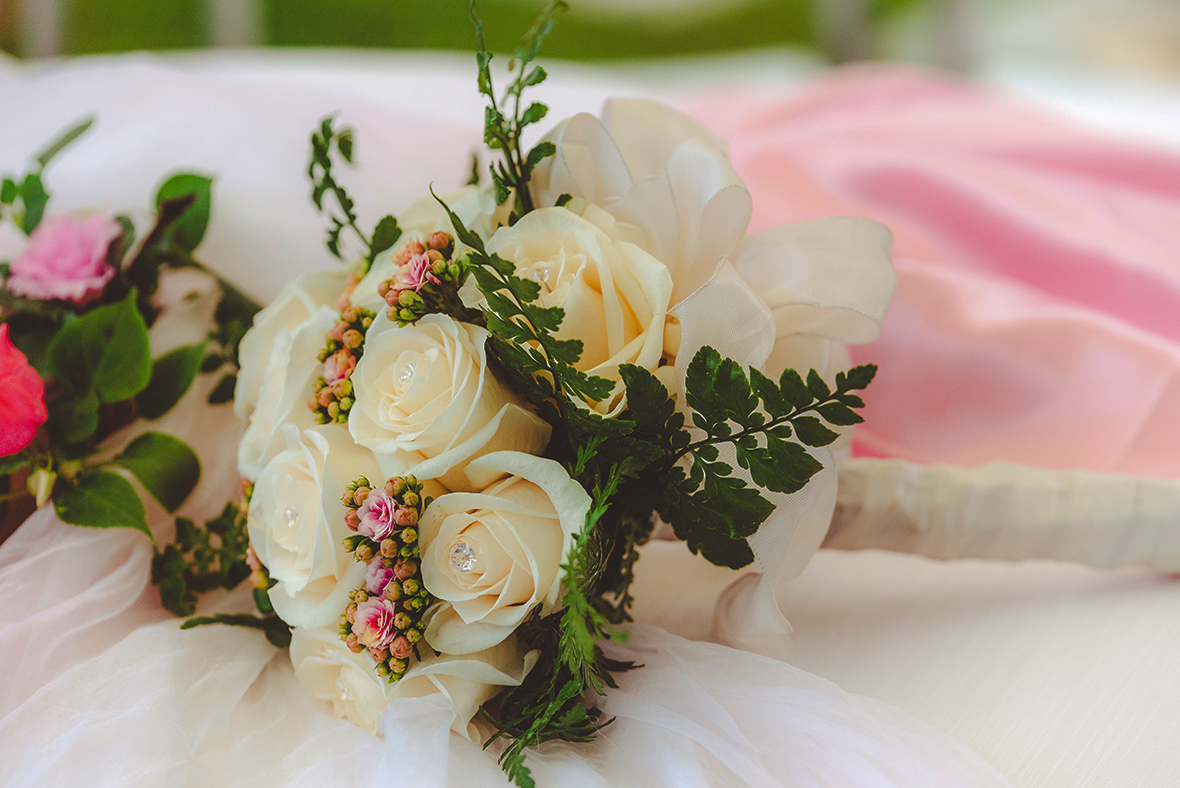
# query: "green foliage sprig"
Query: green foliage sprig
{"points": [[503, 132], [201, 559], [325, 142]]}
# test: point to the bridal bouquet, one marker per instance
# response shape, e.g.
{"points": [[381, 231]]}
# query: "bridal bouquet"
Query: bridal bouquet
{"points": [[77, 301], [457, 441]]}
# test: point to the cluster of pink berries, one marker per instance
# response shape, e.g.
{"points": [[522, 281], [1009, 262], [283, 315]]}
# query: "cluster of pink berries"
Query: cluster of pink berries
{"points": [[385, 616], [425, 280], [333, 397]]}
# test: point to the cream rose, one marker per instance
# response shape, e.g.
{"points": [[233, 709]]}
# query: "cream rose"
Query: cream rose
{"points": [[330, 672], [494, 556], [790, 296], [615, 295], [426, 401], [294, 304], [290, 371], [296, 523]]}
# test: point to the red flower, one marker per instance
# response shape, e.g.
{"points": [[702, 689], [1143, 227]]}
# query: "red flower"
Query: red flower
{"points": [[22, 397]]}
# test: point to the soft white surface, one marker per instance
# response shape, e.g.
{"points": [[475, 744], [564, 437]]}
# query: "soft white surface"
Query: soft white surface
{"points": [[1058, 675]]}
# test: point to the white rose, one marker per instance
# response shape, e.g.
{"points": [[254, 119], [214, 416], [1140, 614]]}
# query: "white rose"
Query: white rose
{"points": [[669, 178], [294, 304], [475, 207], [296, 523], [329, 671], [494, 556], [290, 372], [615, 295], [785, 297], [426, 401]]}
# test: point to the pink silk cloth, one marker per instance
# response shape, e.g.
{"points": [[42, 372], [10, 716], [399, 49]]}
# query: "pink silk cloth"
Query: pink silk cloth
{"points": [[1037, 312]]}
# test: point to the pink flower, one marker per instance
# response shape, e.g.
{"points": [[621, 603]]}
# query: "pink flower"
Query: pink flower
{"points": [[65, 258], [339, 366], [377, 577], [378, 516], [415, 274], [373, 625], [22, 397]]}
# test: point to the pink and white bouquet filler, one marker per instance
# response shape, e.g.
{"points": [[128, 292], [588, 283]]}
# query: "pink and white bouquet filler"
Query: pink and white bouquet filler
{"points": [[457, 441]]}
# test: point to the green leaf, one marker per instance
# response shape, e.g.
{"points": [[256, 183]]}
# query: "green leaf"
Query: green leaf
{"points": [[817, 387], [794, 389], [34, 197], [535, 112], [211, 363], [344, 144], [483, 60], [276, 630], [164, 465], [188, 230], [73, 419], [100, 499], [105, 351], [10, 463], [772, 398], [223, 392], [839, 414], [385, 235], [59, 144], [172, 374], [539, 152], [859, 377], [534, 77], [8, 192], [812, 432]]}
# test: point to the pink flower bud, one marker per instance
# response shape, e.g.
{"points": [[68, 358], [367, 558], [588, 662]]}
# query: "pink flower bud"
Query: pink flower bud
{"points": [[406, 515], [352, 519], [400, 648], [405, 569], [352, 338], [336, 332], [440, 241], [353, 644], [324, 397]]}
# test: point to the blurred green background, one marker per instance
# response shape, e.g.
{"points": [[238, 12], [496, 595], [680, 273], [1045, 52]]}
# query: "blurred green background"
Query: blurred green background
{"points": [[592, 30]]}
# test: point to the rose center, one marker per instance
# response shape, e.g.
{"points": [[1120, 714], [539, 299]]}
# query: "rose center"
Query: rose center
{"points": [[407, 374], [463, 557]]}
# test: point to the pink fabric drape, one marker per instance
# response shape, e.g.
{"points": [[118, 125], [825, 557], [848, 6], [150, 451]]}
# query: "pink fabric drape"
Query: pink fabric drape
{"points": [[1037, 313]]}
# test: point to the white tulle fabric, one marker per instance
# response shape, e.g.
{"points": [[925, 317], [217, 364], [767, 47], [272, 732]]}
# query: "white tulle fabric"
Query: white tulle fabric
{"points": [[100, 687], [113, 693]]}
